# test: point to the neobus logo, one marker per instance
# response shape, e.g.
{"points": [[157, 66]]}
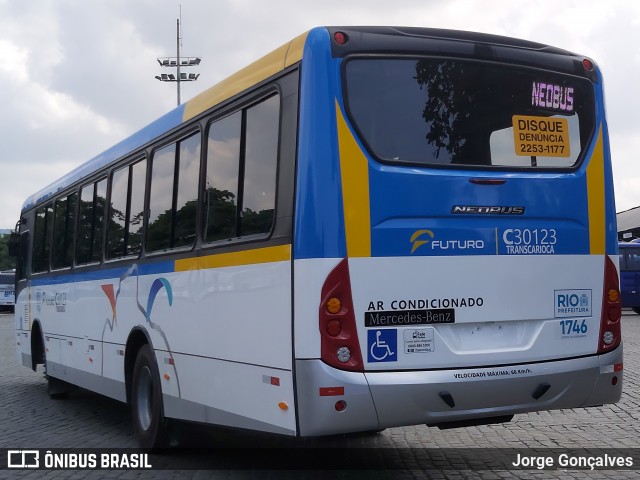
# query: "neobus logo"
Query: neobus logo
{"points": [[494, 210]]}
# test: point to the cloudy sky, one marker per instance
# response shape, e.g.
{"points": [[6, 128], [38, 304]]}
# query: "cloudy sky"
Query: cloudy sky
{"points": [[77, 76]]}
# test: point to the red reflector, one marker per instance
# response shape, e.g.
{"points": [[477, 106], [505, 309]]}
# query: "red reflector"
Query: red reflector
{"points": [[341, 406], [269, 380], [331, 391], [334, 328], [615, 313], [587, 64], [617, 367], [340, 38]]}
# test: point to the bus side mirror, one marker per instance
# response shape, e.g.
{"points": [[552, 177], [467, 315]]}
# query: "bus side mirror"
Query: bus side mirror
{"points": [[14, 245]]}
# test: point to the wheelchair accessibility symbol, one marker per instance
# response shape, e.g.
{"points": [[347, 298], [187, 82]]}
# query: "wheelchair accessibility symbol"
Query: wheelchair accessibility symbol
{"points": [[382, 345]]}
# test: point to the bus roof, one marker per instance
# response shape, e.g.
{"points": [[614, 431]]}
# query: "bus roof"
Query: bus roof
{"points": [[272, 63]]}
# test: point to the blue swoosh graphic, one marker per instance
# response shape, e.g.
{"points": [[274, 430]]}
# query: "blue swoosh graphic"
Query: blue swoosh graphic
{"points": [[157, 284]]}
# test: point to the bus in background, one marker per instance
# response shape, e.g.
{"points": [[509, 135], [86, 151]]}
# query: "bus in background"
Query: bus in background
{"points": [[367, 228], [7, 286], [630, 274]]}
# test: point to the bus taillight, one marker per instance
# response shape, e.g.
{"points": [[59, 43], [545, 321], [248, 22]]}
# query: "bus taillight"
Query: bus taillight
{"points": [[610, 331], [338, 335], [340, 38]]}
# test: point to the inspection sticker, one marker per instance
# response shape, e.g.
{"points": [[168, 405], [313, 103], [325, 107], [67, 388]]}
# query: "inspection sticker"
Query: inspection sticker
{"points": [[419, 340]]}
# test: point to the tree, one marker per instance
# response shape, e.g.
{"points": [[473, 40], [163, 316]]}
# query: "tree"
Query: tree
{"points": [[6, 262]]}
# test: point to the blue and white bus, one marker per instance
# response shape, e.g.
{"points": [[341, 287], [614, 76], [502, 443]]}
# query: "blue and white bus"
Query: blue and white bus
{"points": [[630, 275], [366, 228], [7, 286]]}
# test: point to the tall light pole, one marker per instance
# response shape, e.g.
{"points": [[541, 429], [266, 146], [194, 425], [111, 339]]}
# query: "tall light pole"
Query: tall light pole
{"points": [[178, 62]]}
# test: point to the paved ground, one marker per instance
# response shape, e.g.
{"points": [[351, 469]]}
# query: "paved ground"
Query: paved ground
{"points": [[29, 419]]}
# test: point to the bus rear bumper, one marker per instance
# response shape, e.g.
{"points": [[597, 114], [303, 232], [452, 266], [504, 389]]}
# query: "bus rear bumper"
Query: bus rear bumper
{"points": [[378, 400]]}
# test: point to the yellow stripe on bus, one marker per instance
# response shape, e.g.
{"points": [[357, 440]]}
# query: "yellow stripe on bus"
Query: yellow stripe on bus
{"points": [[354, 171], [274, 62], [280, 253], [595, 198]]}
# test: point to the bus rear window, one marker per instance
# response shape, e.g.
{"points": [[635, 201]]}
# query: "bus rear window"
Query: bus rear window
{"points": [[448, 112]]}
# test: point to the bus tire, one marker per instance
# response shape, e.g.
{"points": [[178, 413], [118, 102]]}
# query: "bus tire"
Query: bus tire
{"points": [[637, 310], [149, 424], [58, 389]]}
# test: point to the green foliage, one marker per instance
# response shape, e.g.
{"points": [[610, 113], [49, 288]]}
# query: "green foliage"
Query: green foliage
{"points": [[6, 262]]}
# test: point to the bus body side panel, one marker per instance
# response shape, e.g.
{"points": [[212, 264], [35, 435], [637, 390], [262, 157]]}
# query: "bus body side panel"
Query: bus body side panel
{"points": [[183, 307], [235, 376], [319, 239], [486, 309], [319, 235], [609, 226], [318, 223], [23, 327], [72, 315], [319, 244], [219, 318]]}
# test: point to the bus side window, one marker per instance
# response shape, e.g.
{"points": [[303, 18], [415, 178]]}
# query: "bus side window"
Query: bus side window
{"points": [[135, 218], [186, 201], [172, 216], [18, 247], [24, 256], [64, 231], [260, 167], [99, 213], [242, 163], [161, 198], [91, 211], [223, 163], [124, 231], [42, 239]]}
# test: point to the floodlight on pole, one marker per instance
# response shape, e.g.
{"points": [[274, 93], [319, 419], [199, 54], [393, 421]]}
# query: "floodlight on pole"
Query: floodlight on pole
{"points": [[178, 62]]}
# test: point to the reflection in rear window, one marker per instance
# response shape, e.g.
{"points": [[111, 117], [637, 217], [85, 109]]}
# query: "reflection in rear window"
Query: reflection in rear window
{"points": [[469, 113]]}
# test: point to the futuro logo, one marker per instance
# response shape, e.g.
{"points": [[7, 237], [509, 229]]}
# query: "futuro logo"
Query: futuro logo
{"points": [[415, 239]]}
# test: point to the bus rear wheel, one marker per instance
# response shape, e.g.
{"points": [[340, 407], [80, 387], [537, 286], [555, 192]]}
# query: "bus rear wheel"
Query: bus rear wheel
{"points": [[149, 424]]}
